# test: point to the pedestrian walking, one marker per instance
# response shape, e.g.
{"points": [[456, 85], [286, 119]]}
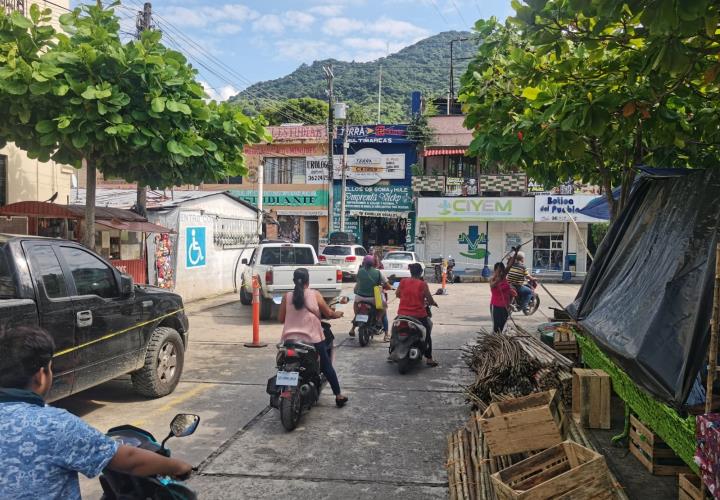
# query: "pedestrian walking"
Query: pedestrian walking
{"points": [[501, 294]]}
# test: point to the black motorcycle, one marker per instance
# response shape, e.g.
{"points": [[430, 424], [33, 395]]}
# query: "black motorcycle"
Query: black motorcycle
{"points": [[437, 263], [299, 380], [120, 486], [407, 342], [367, 323], [533, 305]]}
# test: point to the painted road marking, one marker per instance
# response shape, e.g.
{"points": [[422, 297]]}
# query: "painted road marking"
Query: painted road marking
{"points": [[175, 401]]}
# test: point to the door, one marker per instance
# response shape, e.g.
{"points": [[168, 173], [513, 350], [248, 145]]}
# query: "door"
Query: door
{"points": [[312, 233], [107, 326], [55, 312]]}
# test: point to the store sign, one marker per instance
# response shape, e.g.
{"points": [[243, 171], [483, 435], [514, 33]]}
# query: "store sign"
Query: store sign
{"points": [[458, 186], [316, 170], [195, 249], [554, 208], [317, 133], [298, 150], [475, 209], [378, 134], [317, 198], [382, 199], [366, 167]]}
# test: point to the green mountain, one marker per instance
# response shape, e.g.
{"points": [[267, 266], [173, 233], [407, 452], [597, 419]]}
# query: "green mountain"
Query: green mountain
{"points": [[424, 66]]}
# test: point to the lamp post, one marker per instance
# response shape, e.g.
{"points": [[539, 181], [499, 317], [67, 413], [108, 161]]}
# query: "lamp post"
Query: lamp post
{"points": [[340, 112]]}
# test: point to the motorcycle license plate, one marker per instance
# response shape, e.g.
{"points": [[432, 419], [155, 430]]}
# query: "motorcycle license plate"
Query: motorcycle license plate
{"points": [[362, 318], [287, 378]]}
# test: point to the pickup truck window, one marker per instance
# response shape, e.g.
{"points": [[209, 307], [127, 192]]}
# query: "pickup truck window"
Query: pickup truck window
{"points": [[287, 256], [91, 275], [46, 266], [7, 284]]}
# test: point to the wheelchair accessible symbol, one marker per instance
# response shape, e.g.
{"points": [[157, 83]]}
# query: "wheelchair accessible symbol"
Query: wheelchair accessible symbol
{"points": [[195, 249]]}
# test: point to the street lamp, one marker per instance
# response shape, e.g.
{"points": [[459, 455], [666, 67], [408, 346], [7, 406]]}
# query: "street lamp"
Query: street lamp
{"points": [[340, 112]]}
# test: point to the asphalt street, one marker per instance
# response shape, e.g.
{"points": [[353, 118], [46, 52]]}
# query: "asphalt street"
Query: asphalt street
{"points": [[389, 439]]}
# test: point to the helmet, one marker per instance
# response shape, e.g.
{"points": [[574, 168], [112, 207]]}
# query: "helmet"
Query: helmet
{"points": [[368, 260]]}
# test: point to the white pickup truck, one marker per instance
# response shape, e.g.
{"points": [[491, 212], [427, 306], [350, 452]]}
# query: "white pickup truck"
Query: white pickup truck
{"points": [[275, 263]]}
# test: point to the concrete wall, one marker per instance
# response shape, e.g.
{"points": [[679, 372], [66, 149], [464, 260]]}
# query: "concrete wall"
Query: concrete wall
{"points": [[31, 180]]}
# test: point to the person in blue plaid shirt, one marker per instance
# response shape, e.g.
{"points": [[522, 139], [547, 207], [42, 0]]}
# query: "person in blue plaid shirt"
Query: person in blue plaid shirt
{"points": [[43, 448]]}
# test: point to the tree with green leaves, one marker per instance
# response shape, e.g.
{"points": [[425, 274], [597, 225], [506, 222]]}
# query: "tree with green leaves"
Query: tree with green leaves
{"points": [[591, 89], [131, 110]]}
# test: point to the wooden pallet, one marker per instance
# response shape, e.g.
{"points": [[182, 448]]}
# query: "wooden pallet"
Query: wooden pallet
{"points": [[657, 457], [689, 487], [565, 343]]}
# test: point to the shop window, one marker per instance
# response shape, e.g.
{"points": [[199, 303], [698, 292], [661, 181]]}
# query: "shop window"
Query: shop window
{"points": [[284, 171], [548, 252], [3, 180]]}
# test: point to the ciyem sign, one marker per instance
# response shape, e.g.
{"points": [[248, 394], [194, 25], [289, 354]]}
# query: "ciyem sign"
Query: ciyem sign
{"points": [[475, 209]]}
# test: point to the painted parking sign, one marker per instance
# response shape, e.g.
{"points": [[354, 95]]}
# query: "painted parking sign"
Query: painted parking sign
{"points": [[195, 247]]}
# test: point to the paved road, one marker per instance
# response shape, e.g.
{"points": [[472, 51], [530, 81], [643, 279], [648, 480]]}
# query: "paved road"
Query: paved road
{"points": [[389, 440]]}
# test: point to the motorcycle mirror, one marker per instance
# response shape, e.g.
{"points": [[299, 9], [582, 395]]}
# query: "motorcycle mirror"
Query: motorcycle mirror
{"points": [[184, 424], [277, 299]]}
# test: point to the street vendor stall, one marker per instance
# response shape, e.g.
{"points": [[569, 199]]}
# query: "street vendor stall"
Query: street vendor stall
{"points": [[119, 234]]}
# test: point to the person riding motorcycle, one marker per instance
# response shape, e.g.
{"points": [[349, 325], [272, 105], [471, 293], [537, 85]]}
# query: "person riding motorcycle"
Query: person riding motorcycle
{"points": [[517, 276], [415, 297], [300, 312], [368, 278]]}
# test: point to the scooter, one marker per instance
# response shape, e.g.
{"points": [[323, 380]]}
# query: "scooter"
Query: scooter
{"points": [[297, 385], [120, 486], [407, 342], [534, 303], [367, 323]]}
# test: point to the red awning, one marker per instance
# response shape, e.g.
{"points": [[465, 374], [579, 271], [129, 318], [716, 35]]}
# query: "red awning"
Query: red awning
{"points": [[444, 151], [141, 227]]}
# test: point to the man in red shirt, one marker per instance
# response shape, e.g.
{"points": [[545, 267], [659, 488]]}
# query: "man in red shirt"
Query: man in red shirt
{"points": [[415, 296]]}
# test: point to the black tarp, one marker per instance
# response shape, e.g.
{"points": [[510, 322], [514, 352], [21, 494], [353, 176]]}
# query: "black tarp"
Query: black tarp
{"points": [[647, 299]]}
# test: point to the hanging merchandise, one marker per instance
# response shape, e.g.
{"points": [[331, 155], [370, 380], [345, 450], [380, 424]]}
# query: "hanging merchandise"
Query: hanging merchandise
{"points": [[163, 262]]}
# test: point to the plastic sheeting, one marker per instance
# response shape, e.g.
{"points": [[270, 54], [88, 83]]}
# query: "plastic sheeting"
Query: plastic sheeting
{"points": [[647, 299]]}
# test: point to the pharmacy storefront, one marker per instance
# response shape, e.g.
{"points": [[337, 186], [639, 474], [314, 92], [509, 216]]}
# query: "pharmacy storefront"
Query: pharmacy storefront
{"points": [[558, 243], [476, 232]]}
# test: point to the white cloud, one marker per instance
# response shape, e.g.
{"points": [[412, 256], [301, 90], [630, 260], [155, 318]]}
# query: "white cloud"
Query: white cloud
{"points": [[342, 26], [207, 17], [326, 10], [269, 23], [299, 20], [389, 28], [219, 94], [228, 29]]}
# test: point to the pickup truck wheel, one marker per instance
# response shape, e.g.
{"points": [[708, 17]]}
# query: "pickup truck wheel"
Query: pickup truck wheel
{"points": [[164, 361], [245, 297], [265, 308]]}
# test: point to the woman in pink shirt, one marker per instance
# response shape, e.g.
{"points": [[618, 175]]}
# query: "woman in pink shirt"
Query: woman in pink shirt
{"points": [[501, 293], [300, 313]]}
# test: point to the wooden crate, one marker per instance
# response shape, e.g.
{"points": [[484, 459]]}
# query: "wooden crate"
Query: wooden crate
{"points": [[657, 457], [528, 423], [567, 470], [689, 487], [565, 343], [591, 398]]}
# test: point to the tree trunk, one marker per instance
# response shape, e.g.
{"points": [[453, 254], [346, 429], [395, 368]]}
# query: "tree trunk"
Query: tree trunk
{"points": [[89, 236], [605, 177], [141, 203]]}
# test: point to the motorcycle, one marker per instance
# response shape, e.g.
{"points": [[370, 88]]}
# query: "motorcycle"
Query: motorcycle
{"points": [[367, 323], [437, 262], [299, 380], [407, 342], [534, 303], [120, 486]]}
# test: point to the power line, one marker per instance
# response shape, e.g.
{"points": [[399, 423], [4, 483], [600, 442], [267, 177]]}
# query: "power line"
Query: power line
{"points": [[437, 8], [459, 12]]}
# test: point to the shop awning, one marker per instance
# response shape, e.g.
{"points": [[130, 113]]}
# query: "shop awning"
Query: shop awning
{"points": [[444, 151], [141, 227]]}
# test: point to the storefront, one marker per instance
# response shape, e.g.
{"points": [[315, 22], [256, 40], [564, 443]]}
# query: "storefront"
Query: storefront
{"points": [[476, 232], [120, 235], [558, 244], [378, 199]]}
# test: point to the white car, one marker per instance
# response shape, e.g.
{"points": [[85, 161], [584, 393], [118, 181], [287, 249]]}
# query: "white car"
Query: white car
{"points": [[395, 264], [347, 257]]}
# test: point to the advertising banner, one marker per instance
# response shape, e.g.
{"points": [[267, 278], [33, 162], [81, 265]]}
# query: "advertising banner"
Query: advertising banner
{"points": [[558, 208], [317, 198], [366, 167], [475, 209], [378, 134]]}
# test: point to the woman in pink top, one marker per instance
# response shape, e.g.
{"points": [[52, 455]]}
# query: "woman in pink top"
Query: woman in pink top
{"points": [[501, 293], [300, 313]]}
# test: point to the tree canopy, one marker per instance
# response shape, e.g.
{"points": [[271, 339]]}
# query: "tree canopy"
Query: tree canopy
{"points": [[593, 88]]}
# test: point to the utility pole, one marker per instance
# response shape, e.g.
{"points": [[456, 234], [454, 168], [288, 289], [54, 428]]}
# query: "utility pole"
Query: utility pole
{"points": [[260, 180], [452, 70], [143, 23], [343, 190], [379, 94], [331, 133]]}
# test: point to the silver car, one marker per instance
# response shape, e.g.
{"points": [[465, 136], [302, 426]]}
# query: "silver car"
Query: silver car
{"points": [[395, 264], [347, 257]]}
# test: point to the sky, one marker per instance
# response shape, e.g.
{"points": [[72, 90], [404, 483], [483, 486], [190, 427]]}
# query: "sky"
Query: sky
{"points": [[236, 44]]}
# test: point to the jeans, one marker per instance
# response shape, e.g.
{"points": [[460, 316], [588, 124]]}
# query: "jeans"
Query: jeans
{"points": [[525, 293], [499, 318], [386, 326], [326, 366]]}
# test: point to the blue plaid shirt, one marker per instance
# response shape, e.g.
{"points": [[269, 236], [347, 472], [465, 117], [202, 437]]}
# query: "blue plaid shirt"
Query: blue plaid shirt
{"points": [[42, 449]]}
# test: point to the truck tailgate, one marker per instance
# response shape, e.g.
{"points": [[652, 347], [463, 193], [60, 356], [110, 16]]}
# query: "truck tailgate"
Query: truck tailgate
{"points": [[322, 278]]}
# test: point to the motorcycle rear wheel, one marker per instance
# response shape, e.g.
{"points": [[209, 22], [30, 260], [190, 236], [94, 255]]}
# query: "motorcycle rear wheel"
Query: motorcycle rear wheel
{"points": [[404, 365], [290, 410], [364, 335], [533, 306]]}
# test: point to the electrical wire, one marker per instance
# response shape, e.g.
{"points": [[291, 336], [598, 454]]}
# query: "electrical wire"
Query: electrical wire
{"points": [[442, 16], [459, 12]]}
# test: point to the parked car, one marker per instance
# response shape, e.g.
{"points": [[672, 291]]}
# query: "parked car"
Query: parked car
{"points": [[395, 264], [347, 257], [275, 263], [103, 324]]}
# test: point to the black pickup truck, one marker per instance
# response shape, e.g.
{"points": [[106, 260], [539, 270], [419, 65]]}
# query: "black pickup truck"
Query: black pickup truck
{"points": [[104, 326]]}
